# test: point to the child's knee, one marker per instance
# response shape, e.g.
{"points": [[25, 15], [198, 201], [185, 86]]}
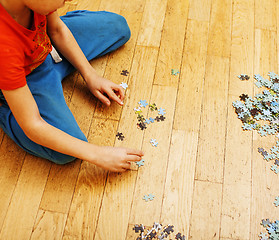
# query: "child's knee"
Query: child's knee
{"points": [[121, 27]]}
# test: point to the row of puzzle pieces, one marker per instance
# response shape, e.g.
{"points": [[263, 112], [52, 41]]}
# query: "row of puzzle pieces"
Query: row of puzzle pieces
{"points": [[157, 232]]}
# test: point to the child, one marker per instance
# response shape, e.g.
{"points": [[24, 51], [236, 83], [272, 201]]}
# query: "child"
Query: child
{"points": [[34, 112]]}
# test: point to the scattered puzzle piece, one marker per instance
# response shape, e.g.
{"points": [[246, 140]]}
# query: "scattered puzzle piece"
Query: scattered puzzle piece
{"points": [[148, 197], [243, 77], [120, 136], [161, 111], [124, 85], [175, 72], [154, 142], [124, 73], [140, 163], [143, 103]]}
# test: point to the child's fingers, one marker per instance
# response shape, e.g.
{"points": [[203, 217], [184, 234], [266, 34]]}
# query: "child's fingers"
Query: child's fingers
{"points": [[134, 152], [102, 98], [133, 158], [114, 97], [120, 91], [126, 165]]}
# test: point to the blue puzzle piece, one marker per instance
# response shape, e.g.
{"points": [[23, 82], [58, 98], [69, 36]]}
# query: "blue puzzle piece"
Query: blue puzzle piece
{"points": [[161, 111], [140, 163], [143, 103]]}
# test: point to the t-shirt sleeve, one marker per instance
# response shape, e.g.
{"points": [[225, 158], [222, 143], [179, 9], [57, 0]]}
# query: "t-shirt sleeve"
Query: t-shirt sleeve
{"points": [[12, 73]]}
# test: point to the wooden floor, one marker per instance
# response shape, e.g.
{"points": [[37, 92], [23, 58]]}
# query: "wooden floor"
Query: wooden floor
{"points": [[208, 179]]}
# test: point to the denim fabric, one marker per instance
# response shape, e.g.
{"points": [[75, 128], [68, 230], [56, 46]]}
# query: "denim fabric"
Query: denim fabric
{"points": [[97, 33]]}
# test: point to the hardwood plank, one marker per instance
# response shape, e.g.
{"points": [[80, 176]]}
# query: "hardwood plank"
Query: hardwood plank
{"points": [[219, 40], [263, 179], [206, 211], [265, 14], [133, 6], [190, 89], [265, 60], [48, 225], [171, 46], [25, 201], [11, 159], [110, 5], [242, 53], [178, 194], [235, 220], [88, 5], [119, 187], [152, 23], [155, 158], [87, 199], [117, 61], [211, 148], [200, 10]]}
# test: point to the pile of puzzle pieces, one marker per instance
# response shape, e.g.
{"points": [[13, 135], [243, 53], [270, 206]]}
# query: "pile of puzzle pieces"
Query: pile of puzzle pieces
{"points": [[272, 229], [262, 114], [142, 121], [157, 232]]}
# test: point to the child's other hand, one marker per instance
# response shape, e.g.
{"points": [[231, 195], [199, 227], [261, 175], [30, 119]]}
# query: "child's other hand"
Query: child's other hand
{"points": [[105, 90], [117, 159]]}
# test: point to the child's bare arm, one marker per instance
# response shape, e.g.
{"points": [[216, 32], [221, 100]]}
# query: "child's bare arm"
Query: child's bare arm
{"points": [[26, 113], [65, 42]]}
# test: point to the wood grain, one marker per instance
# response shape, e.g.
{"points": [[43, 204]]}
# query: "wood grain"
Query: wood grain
{"points": [[49, 225], [206, 211], [211, 148], [172, 42]]}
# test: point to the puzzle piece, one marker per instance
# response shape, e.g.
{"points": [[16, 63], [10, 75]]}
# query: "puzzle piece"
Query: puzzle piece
{"points": [[178, 236], [124, 85], [124, 73], [168, 229], [120, 136], [148, 197], [138, 228], [263, 236], [175, 72], [140, 163], [143, 103], [162, 118], [243, 77], [142, 125], [276, 202], [154, 142], [243, 97], [265, 223], [161, 111], [274, 168], [153, 107]]}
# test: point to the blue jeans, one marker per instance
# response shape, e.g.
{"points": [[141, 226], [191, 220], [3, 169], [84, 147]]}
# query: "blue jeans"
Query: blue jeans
{"points": [[97, 33]]}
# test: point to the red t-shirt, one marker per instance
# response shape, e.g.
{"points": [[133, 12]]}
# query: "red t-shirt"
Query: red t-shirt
{"points": [[21, 49]]}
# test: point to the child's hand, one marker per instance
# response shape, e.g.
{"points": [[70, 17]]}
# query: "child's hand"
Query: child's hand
{"points": [[118, 159], [105, 90]]}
